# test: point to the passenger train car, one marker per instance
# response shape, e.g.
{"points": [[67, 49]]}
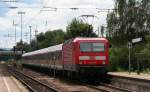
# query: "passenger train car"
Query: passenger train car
{"points": [[82, 56]]}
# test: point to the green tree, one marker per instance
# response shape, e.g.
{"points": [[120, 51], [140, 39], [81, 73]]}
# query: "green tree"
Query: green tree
{"points": [[33, 45], [47, 39], [78, 28], [22, 46], [54, 37], [41, 37], [102, 30], [129, 20]]}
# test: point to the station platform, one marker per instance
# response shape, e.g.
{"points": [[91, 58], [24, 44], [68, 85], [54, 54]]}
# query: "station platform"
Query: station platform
{"points": [[131, 75], [8, 83]]}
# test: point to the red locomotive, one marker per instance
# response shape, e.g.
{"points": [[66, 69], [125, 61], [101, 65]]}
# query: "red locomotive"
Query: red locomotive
{"points": [[82, 56]]}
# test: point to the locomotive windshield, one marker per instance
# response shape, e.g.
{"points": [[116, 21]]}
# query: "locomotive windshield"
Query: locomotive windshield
{"points": [[92, 47]]}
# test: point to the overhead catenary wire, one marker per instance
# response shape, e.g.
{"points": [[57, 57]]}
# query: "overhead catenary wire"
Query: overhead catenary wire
{"points": [[56, 9], [49, 8], [71, 8], [35, 16], [46, 8]]}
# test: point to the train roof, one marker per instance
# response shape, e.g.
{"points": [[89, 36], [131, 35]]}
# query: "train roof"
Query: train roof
{"points": [[59, 47], [45, 50], [89, 38]]}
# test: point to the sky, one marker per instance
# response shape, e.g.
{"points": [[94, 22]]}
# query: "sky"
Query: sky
{"points": [[45, 15]]}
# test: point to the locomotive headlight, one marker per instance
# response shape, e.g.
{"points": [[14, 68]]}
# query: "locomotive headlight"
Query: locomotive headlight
{"points": [[84, 57], [80, 62], [100, 57], [103, 62]]}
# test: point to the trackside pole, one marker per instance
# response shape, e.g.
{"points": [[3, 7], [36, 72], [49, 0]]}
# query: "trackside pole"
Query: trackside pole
{"points": [[129, 46]]}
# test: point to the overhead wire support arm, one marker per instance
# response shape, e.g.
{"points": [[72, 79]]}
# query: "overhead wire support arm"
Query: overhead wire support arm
{"points": [[74, 8], [88, 16], [47, 8], [15, 1], [105, 10]]}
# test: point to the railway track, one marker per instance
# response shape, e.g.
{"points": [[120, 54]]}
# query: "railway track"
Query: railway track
{"points": [[103, 87], [32, 84]]}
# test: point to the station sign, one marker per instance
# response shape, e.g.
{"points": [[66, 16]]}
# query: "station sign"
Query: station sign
{"points": [[136, 40]]}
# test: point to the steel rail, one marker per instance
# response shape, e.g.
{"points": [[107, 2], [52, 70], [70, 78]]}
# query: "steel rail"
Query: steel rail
{"points": [[105, 86], [19, 75], [116, 88]]}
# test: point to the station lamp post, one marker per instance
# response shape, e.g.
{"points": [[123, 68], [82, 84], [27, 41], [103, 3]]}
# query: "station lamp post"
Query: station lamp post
{"points": [[136, 40], [129, 46]]}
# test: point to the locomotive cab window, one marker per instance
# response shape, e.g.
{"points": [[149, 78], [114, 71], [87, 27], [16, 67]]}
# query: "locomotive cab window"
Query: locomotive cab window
{"points": [[92, 46], [85, 46], [98, 47]]}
